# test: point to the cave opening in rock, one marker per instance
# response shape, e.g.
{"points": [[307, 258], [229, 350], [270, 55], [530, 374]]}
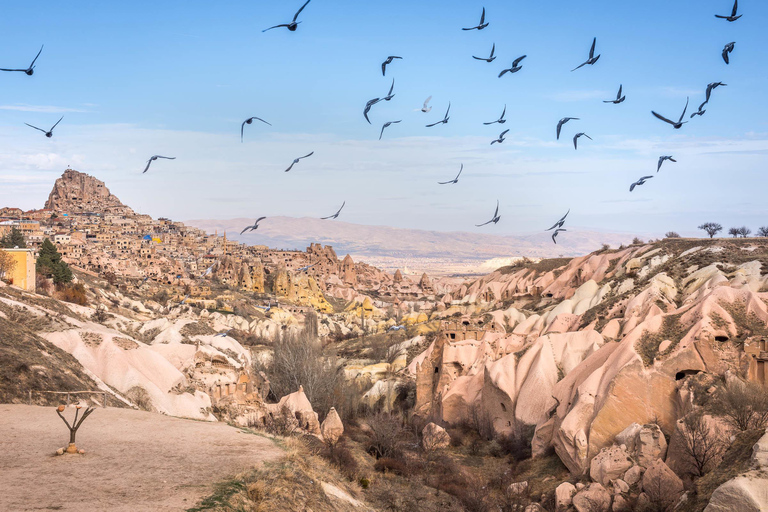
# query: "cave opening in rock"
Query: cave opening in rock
{"points": [[721, 338], [685, 373]]}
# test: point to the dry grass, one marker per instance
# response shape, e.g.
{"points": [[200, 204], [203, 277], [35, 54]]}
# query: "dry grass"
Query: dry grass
{"points": [[648, 345]]}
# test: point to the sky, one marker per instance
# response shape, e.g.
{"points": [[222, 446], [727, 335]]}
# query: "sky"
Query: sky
{"points": [[177, 78]]}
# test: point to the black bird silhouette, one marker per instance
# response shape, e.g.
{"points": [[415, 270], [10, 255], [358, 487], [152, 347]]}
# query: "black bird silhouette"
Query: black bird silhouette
{"points": [[562, 122], [700, 112], [155, 157], [389, 95], [444, 120], [388, 62], [387, 125], [293, 25], [48, 133], [501, 119], [495, 219], [733, 16], [711, 87], [249, 121], [554, 235], [500, 139], [728, 49], [560, 222], [641, 181], [515, 68], [482, 24], [368, 108], [661, 161], [31, 69], [335, 215], [254, 226], [576, 138], [454, 180], [592, 59], [619, 97], [296, 160], [491, 57], [677, 125]]}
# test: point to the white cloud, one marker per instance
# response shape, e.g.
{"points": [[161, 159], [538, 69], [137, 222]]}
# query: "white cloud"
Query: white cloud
{"points": [[46, 109]]}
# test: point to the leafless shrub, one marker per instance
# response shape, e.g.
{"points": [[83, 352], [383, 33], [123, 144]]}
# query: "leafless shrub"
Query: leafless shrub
{"points": [[140, 398], [743, 404], [703, 445], [387, 435]]}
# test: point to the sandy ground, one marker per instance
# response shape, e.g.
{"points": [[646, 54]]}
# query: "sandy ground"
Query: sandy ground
{"points": [[135, 461]]}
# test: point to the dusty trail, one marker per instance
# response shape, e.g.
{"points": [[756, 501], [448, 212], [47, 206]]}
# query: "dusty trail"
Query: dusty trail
{"points": [[135, 461]]}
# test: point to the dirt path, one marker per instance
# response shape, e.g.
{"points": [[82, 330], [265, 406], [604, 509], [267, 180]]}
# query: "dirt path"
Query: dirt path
{"points": [[135, 461]]}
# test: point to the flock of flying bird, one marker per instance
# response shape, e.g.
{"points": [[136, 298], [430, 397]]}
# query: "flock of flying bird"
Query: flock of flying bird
{"points": [[516, 67]]}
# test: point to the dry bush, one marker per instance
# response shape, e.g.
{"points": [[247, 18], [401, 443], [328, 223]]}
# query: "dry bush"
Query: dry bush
{"points": [[662, 494], [743, 404], [7, 264], [140, 398], [703, 445], [386, 436], [516, 444], [74, 293], [340, 455]]}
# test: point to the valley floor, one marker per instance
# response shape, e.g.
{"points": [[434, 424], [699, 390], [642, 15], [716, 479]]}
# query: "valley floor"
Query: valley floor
{"points": [[134, 460]]}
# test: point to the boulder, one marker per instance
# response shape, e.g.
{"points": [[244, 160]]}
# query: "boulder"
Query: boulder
{"points": [[620, 486], [434, 437], [332, 428], [633, 475], [620, 504], [564, 496], [610, 464], [744, 493], [517, 488], [594, 498], [661, 484], [628, 436], [650, 445]]}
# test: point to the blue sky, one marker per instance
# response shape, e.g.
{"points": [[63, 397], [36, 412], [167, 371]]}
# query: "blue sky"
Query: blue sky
{"points": [[177, 78]]}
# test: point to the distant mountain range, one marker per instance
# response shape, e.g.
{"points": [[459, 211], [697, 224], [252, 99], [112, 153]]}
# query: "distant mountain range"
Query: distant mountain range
{"points": [[379, 244]]}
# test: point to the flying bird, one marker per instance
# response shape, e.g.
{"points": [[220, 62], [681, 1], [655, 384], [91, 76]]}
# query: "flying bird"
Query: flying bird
{"points": [[368, 108], [619, 98], [249, 121], [515, 68], [554, 235], [389, 95], [454, 180], [31, 69], [253, 227], [592, 59], [500, 139], [155, 157], [641, 181], [388, 62], [491, 57], [293, 25], [48, 133], [482, 24], [444, 120], [184, 300], [700, 112], [733, 16], [335, 215], [425, 108], [728, 49], [576, 138], [387, 125], [560, 222], [222, 334], [661, 161], [495, 219], [296, 160], [210, 269], [711, 87], [501, 119], [396, 328], [676, 125], [562, 122]]}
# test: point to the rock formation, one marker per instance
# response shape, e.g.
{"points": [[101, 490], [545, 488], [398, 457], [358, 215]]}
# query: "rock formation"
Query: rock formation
{"points": [[78, 192]]}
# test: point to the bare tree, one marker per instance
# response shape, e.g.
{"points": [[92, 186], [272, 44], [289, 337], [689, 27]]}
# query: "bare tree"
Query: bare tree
{"points": [[662, 494], [7, 264], [702, 444], [734, 232], [387, 434], [762, 231], [744, 231], [672, 234], [712, 228], [743, 404], [72, 448], [637, 241]]}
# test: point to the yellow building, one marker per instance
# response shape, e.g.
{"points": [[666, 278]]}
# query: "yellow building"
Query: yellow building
{"points": [[23, 274]]}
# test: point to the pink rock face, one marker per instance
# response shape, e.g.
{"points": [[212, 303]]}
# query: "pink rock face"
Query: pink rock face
{"points": [[659, 481], [332, 428], [77, 192], [434, 437], [610, 464]]}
